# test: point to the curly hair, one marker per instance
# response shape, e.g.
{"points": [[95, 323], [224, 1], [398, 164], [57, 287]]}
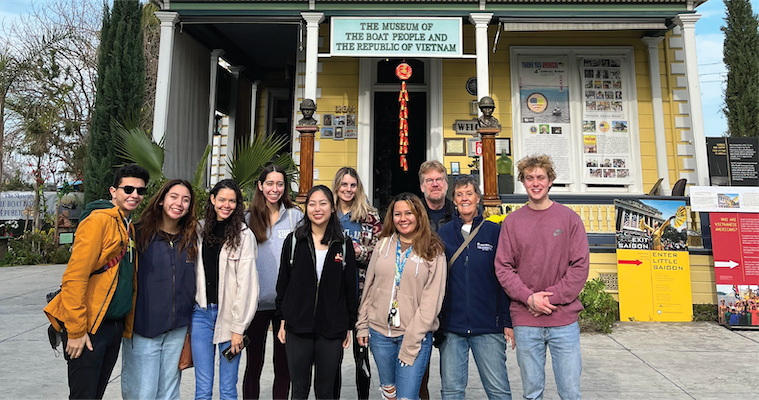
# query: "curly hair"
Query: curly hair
{"points": [[426, 243], [259, 220], [527, 164], [235, 221], [150, 220]]}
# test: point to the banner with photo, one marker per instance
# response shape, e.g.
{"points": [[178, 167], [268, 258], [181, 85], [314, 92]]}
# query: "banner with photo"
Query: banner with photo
{"points": [[653, 263], [544, 110], [607, 144]]}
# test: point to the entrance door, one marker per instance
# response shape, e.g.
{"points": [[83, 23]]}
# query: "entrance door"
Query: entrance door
{"points": [[389, 177]]}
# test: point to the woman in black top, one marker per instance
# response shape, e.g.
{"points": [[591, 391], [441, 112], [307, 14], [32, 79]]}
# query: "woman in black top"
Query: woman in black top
{"points": [[316, 296]]}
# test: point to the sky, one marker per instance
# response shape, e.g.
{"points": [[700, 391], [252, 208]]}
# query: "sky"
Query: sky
{"points": [[709, 39]]}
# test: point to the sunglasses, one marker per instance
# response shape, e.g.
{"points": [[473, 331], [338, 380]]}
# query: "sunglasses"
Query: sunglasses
{"points": [[129, 189]]}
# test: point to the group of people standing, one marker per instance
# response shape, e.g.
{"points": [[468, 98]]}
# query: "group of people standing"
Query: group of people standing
{"points": [[434, 271]]}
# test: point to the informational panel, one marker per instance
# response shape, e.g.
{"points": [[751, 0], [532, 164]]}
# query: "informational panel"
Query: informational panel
{"points": [[735, 245], [544, 110], [733, 161], [607, 141], [653, 264], [724, 199], [395, 37], [13, 204]]}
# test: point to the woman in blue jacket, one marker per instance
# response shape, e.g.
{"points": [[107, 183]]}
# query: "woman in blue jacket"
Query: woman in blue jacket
{"points": [[166, 240], [476, 309]]}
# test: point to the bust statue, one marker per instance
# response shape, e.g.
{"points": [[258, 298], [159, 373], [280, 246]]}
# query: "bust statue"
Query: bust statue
{"points": [[487, 120], [307, 108]]}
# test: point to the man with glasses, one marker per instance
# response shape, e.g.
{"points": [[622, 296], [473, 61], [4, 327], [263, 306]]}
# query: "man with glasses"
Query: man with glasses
{"points": [[433, 180], [94, 307]]}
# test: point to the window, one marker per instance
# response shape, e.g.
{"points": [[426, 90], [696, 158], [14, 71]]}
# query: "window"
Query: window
{"points": [[579, 106]]}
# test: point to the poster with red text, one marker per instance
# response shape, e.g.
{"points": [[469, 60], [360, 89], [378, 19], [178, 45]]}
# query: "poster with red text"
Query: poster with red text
{"points": [[735, 243]]}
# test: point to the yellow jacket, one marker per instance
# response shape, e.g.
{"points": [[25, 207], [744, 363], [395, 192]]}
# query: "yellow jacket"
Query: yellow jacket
{"points": [[84, 298]]}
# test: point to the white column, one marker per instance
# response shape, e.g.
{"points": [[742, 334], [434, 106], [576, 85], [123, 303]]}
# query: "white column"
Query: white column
{"points": [[662, 166], [313, 20], [215, 54], [687, 24], [163, 81], [253, 108], [233, 94], [481, 22]]}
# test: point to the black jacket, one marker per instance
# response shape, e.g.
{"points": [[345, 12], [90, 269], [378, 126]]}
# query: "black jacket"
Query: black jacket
{"points": [[450, 211], [327, 307], [165, 289]]}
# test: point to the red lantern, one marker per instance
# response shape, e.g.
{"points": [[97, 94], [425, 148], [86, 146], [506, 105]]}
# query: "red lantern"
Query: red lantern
{"points": [[403, 72]]}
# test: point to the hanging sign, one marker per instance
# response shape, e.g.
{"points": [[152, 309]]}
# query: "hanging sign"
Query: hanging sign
{"points": [[396, 37], [403, 72]]}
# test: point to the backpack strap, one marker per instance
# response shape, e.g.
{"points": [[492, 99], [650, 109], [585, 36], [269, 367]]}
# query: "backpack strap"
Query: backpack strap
{"points": [[292, 250]]}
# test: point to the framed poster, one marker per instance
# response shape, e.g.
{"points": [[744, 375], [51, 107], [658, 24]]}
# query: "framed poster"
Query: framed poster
{"points": [[503, 146], [327, 120], [328, 133], [455, 147], [606, 137], [339, 133], [544, 109]]}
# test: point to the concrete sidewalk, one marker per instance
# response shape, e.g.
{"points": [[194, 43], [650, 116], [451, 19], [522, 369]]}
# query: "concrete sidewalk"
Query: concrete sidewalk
{"points": [[638, 361]]}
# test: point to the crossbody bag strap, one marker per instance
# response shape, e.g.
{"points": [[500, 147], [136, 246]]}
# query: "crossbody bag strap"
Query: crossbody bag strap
{"points": [[464, 245]]}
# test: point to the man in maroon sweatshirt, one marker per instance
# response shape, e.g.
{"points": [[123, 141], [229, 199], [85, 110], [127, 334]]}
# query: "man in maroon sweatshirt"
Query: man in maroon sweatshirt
{"points": [[542, 262]]}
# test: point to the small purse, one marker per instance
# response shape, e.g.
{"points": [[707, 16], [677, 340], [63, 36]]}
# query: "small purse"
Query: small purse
{"points": [[185, 359]]}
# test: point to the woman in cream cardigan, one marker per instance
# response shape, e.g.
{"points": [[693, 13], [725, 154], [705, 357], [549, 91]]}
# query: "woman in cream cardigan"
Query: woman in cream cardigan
{"points": [[227, 290], [403, 294]]}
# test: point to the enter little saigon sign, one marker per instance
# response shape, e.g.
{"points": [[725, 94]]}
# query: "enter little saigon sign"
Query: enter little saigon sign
{"points": [[396, 37]]}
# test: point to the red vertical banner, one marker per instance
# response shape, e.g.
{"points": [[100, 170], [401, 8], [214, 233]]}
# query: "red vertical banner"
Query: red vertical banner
{"points": [[735, 244]]}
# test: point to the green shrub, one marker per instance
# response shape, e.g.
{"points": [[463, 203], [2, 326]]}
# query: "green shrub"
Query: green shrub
{"points": [[36, 247], [704, 312], [601, 310]]}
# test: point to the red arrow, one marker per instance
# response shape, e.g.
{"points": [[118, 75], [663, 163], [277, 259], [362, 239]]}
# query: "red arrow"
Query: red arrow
{"points": [[635, 262]]}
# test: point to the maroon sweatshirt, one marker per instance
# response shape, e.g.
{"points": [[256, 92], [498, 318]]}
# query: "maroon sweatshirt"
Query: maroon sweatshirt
{"points": [[543, 250]]}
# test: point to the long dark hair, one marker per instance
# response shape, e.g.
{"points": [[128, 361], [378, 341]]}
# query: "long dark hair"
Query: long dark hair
{"points": [[426, 243], [334, 230], [259, 211], [150, 220], [234, 222]]}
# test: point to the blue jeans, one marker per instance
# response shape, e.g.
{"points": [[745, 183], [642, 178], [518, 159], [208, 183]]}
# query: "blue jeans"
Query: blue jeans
{"points": [[489, 352], [406, 379], [564, 344], [149, 366], [203, 349]]}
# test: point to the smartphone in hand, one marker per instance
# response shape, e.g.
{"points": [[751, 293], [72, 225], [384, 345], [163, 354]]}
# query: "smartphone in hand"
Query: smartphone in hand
{"points": [[231, 356]]}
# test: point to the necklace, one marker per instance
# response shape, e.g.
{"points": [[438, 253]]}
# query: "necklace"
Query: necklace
{"points": [[171, 237]]}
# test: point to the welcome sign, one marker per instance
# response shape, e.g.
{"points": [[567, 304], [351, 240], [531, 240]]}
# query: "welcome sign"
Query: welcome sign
{"points": [[396, 37]]}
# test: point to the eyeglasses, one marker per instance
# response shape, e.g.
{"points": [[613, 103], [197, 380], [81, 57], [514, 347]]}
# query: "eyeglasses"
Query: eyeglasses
{"points": [[439, 181], [129, 189]]}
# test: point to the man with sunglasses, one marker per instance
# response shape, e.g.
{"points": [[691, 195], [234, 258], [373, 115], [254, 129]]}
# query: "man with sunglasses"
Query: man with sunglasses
{"points": [[94, 308]]}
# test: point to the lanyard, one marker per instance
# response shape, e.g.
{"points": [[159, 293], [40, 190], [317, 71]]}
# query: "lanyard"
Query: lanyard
{"points": [[400, 262]]}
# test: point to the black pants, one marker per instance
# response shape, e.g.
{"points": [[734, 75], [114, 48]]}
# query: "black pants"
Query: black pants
{"points": [[305, 350], [89, 374], [257, 330], [363, 382]]}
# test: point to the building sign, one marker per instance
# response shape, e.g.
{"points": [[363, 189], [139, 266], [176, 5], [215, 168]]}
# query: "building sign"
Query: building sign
{"points": [[733, 161], [606, 136], [396, 37], [544, 110], [13, 204], [466, 126], [653, 264]]}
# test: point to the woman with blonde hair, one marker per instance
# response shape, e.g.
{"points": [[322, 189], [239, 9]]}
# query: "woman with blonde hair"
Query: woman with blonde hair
{"points": [[361, 222], [410, 285]]}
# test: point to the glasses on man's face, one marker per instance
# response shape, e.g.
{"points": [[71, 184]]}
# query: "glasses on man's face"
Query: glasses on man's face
{"points": [[129, 189], [429, 181]]}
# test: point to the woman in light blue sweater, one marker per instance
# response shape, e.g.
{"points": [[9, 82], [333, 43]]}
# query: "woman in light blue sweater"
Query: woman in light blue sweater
{"points": [[271, 216]]}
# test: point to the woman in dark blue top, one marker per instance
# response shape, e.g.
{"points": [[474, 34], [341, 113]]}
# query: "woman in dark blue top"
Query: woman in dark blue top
{"points": [[166, 237]]}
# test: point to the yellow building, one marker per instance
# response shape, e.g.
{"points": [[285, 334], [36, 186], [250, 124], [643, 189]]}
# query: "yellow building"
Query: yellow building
{"points": [[608, 88]]}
